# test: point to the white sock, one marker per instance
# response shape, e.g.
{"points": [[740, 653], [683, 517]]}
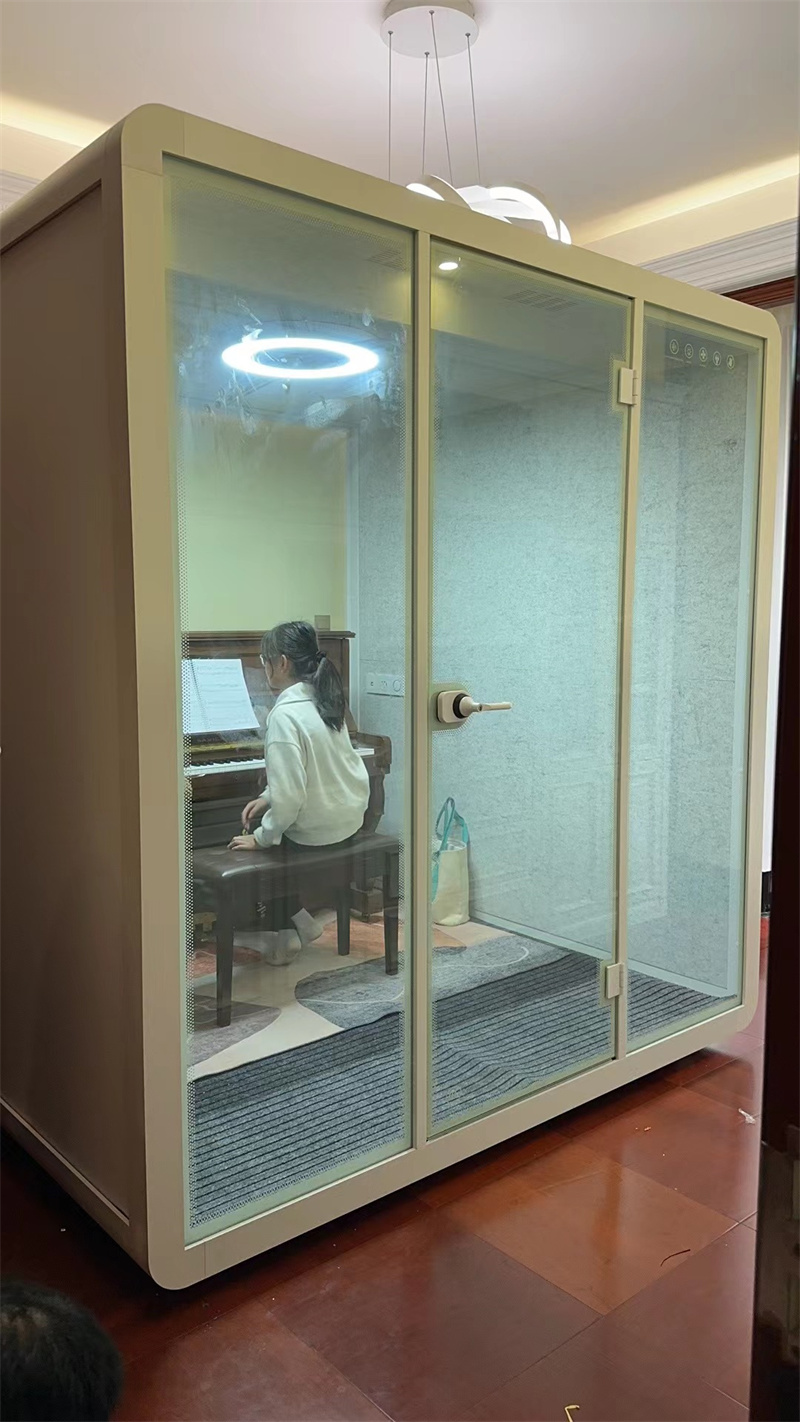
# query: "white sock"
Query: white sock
{"points": [[281, 948], [307, 927]]}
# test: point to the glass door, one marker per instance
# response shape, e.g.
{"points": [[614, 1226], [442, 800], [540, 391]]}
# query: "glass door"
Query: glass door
{"points": [[528, 478], [691, 639], [290, 338]]}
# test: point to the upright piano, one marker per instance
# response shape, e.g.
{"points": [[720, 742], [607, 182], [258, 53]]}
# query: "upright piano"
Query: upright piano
{"points": [[224, 770]]}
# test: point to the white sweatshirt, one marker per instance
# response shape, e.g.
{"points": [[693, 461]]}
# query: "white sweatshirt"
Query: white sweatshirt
{"points": [[317, 783]]}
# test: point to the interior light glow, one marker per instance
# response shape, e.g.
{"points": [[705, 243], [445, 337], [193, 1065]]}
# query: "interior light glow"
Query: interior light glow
{"points": [[355, 360], [448, 266], [424, 190], [686, 200], [45, 122]]}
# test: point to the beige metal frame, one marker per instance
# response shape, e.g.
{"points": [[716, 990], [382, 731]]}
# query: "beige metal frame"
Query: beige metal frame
{"points": [[421, 710], [627, 568], [127, 164]]}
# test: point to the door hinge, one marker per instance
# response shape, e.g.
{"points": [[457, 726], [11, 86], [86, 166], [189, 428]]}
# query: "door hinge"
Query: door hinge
{"points": [[614, 979], [628, 391]]}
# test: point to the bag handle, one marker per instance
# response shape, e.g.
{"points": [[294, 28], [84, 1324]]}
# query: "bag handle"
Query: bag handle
{"points": [[448, 814]]}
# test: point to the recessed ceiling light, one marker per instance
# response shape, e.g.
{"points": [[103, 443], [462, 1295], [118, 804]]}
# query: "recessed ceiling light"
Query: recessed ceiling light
{"points": [[355, 360], [448, 266]]}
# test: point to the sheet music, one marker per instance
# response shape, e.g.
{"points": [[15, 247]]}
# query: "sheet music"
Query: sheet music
{"points": [[215, 696]]}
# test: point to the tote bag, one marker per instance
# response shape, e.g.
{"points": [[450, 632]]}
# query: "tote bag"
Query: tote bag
{"points": [[450, 879]]}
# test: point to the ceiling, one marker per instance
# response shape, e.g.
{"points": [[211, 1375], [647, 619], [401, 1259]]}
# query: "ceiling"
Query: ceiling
{"points": [[602, 104]]}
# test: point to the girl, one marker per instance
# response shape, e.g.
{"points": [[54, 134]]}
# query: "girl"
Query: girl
{"points": [[317, 784]]}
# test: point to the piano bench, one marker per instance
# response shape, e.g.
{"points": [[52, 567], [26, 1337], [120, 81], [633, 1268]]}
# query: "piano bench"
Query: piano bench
{"points": [[237, 880]]}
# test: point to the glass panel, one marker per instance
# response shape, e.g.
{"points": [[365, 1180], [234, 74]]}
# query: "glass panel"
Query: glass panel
{"points": [[290, 337], [698, 475], [529, 466]]}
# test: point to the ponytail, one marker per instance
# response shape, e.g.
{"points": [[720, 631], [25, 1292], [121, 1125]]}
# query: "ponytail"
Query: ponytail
{"points": [[297, 642], [326, 684]]}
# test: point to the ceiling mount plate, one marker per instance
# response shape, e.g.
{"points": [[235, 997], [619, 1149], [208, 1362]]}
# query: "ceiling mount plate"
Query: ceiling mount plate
{"points": [[409, 24]]}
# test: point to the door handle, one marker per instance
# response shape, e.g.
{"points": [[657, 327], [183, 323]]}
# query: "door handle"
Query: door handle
{"points": [[453, 707]]}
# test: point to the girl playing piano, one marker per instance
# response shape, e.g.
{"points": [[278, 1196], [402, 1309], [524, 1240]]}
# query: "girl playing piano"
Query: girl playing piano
{"points": [[317, 784]]}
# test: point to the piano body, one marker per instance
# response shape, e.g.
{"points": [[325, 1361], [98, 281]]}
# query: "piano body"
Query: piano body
{"points": [[223, 773]]}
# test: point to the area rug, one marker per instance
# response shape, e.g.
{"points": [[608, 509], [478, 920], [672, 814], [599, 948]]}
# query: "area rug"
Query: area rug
{"points": [[318, 1111], [367, 938], [207, 1039], [350, 997], [203, 959]]}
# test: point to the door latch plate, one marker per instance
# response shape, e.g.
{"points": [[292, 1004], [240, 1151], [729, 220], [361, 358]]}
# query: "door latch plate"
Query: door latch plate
{"points": [[614, 979]]}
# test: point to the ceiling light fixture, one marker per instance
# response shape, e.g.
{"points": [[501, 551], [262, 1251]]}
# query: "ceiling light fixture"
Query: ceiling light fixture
{"points": [[448, 266], [355, 360], [434, 29], [424, 190]]}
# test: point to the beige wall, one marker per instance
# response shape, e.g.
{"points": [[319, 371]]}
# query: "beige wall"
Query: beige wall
{"points": [[264, 522]]}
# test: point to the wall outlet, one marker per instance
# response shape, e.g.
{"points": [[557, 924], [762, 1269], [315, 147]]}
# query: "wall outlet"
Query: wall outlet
{"points": [[385, 684]]}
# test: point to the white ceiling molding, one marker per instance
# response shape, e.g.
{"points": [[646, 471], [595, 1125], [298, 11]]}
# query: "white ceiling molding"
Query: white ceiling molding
{"points": [[745, 260], [13, 186]]}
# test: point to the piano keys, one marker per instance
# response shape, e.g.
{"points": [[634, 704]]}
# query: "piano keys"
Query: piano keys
{"points": [[226, 767]]}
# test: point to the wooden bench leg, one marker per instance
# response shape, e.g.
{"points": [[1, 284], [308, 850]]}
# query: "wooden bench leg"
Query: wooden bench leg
{"points": [[224, 935], [391, 900], [367, 901], [343, 922]]}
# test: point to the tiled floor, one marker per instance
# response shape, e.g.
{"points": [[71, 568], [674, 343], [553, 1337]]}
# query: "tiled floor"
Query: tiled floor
{"points": [[604, 1263]]}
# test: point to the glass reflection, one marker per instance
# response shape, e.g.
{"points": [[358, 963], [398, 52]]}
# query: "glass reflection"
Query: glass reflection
{"points": [[290, 338]]}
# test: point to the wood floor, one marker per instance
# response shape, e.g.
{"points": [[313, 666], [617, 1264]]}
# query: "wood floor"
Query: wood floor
{"points": [[604, 1263]]}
